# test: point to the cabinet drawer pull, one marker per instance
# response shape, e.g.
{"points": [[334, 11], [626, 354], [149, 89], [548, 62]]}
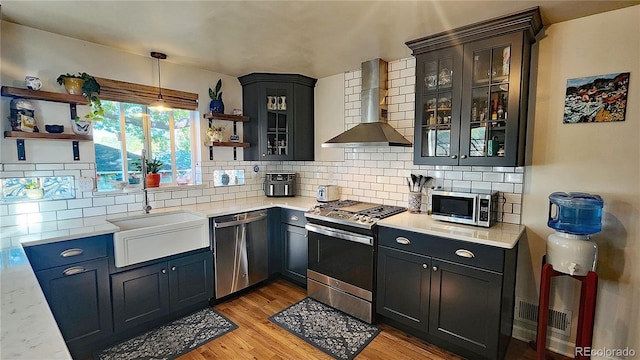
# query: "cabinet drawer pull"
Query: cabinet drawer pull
{"points": [[173, 268], [164, 271], [403, 240], [74, 270], [425, 266], [434, 268], [294, 218], [463, 156], [465, 253], [71, 252]]}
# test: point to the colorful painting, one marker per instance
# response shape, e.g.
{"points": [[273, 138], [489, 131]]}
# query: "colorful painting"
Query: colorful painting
{"points": [[601, 98]]}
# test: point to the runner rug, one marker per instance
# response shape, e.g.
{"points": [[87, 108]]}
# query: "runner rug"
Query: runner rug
{"points": [[173, 339], [332, 331]]}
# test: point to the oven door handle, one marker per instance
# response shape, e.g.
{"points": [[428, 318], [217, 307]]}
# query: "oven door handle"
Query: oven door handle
{"points": [[340, 234]]}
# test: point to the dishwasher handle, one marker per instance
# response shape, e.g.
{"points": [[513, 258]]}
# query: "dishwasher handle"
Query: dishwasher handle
{"points": [[240, 222]]}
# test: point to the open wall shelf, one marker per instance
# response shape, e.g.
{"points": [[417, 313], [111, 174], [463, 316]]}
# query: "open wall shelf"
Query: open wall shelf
{"points": [[234, 145]]}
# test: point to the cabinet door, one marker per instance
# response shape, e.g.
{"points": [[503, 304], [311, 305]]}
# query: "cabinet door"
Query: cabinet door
{"points": [[295, 253], [140, 295], [79, 298], [276, 121], [465, 307], [489, 132], [190, 280], [403, 287], [438, 91]]}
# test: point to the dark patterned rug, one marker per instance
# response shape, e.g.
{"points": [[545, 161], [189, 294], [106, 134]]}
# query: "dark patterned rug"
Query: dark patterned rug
{"points": [[332, 331], [173, 339]]}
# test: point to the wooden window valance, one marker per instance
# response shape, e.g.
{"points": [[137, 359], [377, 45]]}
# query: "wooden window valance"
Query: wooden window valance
{"points": [[121, 91]]}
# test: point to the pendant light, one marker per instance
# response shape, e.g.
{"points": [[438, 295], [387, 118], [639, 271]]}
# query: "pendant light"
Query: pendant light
{"points": [[160, 104]]}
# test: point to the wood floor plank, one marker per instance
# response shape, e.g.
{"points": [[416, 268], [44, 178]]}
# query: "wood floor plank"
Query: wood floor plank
{"points": [[258, 338]]}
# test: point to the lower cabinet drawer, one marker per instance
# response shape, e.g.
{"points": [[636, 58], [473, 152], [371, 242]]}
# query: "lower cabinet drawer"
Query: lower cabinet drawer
{"points": [[293, 217], [462, 252], [67, 252]]}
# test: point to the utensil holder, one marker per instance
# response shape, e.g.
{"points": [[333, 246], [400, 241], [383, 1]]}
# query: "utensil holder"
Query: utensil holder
{"points": [[415, 201]]}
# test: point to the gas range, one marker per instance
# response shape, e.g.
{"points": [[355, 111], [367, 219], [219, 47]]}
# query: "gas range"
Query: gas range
{"points": [[352, 213]]}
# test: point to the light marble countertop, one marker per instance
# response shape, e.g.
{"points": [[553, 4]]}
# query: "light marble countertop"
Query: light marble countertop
{"points": [[501, 235], [27, 326]]}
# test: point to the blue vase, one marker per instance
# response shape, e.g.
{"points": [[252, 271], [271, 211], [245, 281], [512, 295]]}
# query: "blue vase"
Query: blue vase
{"points": [[216, 107]]}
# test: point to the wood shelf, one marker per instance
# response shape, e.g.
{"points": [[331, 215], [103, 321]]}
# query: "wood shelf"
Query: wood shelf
{"points": [[230, 144], [46, 136], [43, 95], [226, 117]]}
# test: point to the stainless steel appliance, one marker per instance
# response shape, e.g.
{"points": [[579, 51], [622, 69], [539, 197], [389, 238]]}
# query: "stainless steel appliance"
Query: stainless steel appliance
{"points": [[328, 193], [341, 264], [478, 208], [240, 251], [280, 184]]}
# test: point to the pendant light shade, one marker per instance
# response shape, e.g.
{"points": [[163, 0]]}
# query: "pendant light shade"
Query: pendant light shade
{"points": [[160, 104]]}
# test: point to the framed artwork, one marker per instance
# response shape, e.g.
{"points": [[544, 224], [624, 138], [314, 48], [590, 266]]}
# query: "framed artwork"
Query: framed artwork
{"points": [[601, 98]]}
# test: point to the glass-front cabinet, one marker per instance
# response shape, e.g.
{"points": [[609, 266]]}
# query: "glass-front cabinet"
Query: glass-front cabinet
{"points": [[471, 93], [439, 93], [491, 107], [277, 129], [283, 106]]}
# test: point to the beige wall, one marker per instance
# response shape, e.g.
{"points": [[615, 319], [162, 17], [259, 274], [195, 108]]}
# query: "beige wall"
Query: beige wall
{"points": [[329, 116], [28, 51], [595, 158]]}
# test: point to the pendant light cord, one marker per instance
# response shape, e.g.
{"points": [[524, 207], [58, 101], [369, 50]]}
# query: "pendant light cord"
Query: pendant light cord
{"points": [[159, 87]]}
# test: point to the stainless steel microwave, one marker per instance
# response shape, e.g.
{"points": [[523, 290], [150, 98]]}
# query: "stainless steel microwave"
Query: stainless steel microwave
{"points": [[464, 207]]}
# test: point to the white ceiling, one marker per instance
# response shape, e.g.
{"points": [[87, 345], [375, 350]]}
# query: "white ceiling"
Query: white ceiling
{"points": [[314, 38]]}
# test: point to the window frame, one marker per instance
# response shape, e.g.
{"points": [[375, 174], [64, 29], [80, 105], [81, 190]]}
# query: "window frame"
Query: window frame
{"points": [[147, 140]]}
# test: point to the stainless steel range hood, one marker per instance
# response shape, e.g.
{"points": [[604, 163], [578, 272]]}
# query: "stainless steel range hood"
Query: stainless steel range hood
{"points": [[373, 129]]}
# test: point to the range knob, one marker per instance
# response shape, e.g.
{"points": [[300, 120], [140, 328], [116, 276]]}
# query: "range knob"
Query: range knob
{"points": [[371, 220], [356, 217], [364, 218]]}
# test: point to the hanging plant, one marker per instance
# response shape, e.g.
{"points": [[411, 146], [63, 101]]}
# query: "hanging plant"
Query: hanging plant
{"points": [[89, 88]]}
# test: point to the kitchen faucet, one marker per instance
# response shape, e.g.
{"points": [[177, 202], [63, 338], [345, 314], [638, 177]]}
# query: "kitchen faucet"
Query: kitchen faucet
{"points": [[143, 170]]}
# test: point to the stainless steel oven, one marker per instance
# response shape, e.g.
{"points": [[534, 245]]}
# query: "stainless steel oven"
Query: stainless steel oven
{"points": [[341, 254], [340, 270]]}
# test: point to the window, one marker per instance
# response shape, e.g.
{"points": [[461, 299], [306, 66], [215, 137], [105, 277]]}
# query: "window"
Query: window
{"points": [[127, 129]]}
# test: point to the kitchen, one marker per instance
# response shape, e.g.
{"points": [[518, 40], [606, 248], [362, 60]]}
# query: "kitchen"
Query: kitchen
{"points": [[567, 154]]}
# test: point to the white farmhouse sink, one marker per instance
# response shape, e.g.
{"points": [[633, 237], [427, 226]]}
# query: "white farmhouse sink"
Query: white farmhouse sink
{"points": [[153, 236]]}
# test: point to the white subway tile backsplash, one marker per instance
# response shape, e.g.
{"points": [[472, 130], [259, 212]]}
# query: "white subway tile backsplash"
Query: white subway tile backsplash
{"points": [[49, 166], [69, 214], [116, 209], [79, 203], [502, 187], [94, 211], [514, 178], [472, 176], [19, 167], [52, 205], [493, 177]]}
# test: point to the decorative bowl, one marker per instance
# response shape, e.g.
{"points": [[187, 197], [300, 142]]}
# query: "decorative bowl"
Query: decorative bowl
{"points": [[54, 129]]}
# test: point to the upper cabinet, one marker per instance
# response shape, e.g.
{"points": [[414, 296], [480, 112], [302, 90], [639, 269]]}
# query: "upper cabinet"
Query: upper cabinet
{"points": [[282, 105], [471, 92]]}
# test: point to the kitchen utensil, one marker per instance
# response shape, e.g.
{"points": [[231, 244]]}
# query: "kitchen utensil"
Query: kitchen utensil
{"points": [[414, 179], [409, 184], [423, 181]]}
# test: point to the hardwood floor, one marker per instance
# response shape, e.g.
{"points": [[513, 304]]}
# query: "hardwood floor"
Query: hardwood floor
{"points": [[258, 338]]}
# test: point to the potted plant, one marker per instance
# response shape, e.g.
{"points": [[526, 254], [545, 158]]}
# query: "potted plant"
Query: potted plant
{"points": [[153, 167], [83, 83], [214, 133], [216, 106], [33, 190]]}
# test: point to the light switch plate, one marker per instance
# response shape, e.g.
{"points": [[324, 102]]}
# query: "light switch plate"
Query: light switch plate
{"points": [[85, 184]]}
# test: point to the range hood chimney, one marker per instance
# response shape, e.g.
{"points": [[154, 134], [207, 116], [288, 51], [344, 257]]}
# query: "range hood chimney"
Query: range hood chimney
{"points": [[373, 129]]}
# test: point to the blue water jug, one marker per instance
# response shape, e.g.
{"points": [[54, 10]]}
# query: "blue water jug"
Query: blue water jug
{"points": [[575, 213]]}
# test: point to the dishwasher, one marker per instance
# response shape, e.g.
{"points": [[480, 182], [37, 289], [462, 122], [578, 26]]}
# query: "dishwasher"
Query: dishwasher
{"points": [[240, 251]]}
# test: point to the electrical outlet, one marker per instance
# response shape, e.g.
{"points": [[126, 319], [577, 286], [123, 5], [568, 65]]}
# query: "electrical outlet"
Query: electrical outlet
{"points": [[85, 184]]}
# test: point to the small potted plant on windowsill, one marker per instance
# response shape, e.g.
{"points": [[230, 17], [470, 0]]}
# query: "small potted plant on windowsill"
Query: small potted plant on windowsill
{"points": [[33, 190], [85, 84], [153, 167]]}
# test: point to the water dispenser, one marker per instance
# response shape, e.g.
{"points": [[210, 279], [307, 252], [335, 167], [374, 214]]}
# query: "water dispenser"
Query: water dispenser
{"points": [[575, 216]]}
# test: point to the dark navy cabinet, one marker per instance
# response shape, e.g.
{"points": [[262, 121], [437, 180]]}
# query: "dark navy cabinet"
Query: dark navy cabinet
{"points": [[455, 294], [403, 286], [74, 277], [282, 105], [147, 293], [294, 245]]}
